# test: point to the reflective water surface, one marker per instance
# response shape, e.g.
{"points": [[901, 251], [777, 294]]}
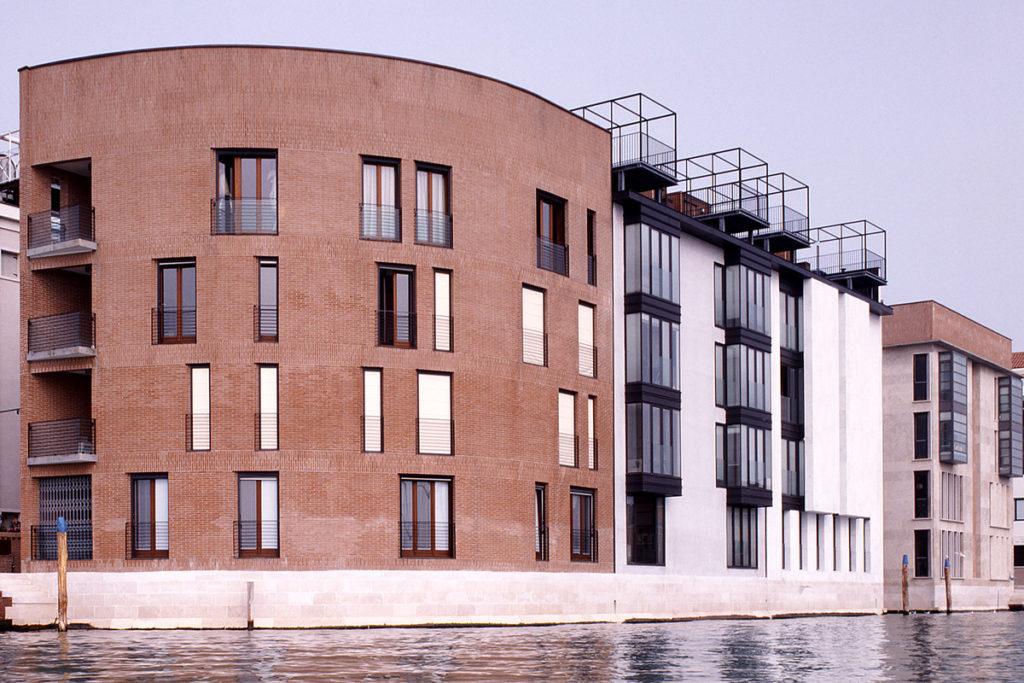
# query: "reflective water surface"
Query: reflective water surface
{"points": [[918, 647]]}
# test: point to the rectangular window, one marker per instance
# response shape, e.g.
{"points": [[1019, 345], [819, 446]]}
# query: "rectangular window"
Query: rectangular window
{"points": [[785, 541], [922, 425], [176, 302], [793, 468], [652, 350], [567, 453], [266, 310], [1011, 426], [952, 407], [591, 438], [720, 455], [1018, 556], [535, 341], [792, 335], [442, 310], [922, 553], [246, 193], [719, 295], [258, 527], [920, 376], [9, 264], [746, 299], [396, 307], [1018, 509], [149, 516], [433, 206], [748, 457], [852, 537], [746, 377], [742, 537], [645, 530], [267, 418], [952, 497], [652, 262], [380, 217], [585, 335], [199, 418], [69, 497], [540, 516], [819, 527], [652, 439], [836, 544], [791, 390], [922, 495], [373, 411], [427, 522], [435, 428], [720, 375], [591, 250], [867, 546], [584, 534], [552, 253]]}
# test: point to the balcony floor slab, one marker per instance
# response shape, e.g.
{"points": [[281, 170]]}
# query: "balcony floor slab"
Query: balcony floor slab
{"points": [[69, 459], [76, 246], [62, 353]]}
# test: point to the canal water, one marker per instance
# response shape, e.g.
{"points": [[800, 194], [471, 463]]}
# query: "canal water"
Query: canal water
{"points": [[918, 647]]}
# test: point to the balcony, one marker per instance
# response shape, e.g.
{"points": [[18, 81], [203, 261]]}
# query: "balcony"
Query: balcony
{"points": [[396, 329], [197, 432], [435, 436], [174, 325], [426, 539], [434, 228], [43, 539], [726, 189], [584, 545], [62, 442], [67, 335], [380, 223], [257, 538], [58, 233], [145, 540], [788, 228], [852, 254], [243, 216], [552, 256], [264, 323]]}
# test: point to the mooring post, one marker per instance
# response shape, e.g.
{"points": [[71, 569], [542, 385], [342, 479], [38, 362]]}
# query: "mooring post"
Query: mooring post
{"points": [[62, 574], [949, 592], [906, 573], [248, 603]]}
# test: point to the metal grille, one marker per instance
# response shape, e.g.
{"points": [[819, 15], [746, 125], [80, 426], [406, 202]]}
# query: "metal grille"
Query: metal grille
{"points": [[67, 224], [433, 228], [70, 497]]}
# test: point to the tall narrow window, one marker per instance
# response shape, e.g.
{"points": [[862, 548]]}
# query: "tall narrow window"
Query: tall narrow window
{"points": [[552, 253], [585, 333], [246, 193], [742, 537], [535, 341], [719, 295], [540, 515], [427, 525], [920, 376], [442, 310], [652, 262], [645, 529], [199, 419], [435, 429], [258, 531], [396, 307], [373, 411], [720, 469], [867, 546], [266, 310], [922, 553], [567, 455], [175, 315], [720, 375], [149, 516], [836, 544], [433, 214], [921, 435], [591, 250], [56, 225], [267, 417], [380, 217], [591, 439], [652, 350], [584, 535], [819, 528], [9, 264]]}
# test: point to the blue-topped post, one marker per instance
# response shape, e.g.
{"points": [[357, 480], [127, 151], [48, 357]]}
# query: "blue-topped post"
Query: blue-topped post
{"points": [[949, 590], [62, 574], [906, 578]]}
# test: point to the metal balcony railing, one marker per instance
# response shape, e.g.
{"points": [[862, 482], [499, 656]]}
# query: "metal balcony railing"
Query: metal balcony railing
{"points": [[266, 431], [542, 544], [243, 216], [47, 228], [373, 433], [62, 331], [568, 450], [584, 545], [174, 325], [851, 261], [426, 539], [197, 432], [264, 323], [588, 360], [435, 436], [552, 256], [379, 222], [442, 333], [434, 228], [788, 221], [591, 270], [396, 329], [726, 198], [592, 453], [145, 540], [535, 347], [55, 438], [43, 539], [257, 538]]}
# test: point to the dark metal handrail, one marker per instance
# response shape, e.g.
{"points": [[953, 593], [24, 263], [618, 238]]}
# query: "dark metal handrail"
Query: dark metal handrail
{"points": [[174, 325], [628, 148], [62, 437], [726, 198], [380, 222], [53, 227], [264, 323], [535, 346], [542, 544], [43, 541], [592, 453], [61, 331], [552, 256], [850, 261], [584, 545], [248, 537], [266, 424], [197, 432], [243, 216], [435, 436], [426, 539], [150, 535], [396, 329], [433, 228], [373, 426]]}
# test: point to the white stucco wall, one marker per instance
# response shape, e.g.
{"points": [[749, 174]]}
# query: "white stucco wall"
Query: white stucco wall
{"points": [[10, 369]]}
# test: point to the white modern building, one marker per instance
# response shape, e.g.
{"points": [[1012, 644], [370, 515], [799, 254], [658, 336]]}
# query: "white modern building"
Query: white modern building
{"points": [[1018, 506], [9, 361]]}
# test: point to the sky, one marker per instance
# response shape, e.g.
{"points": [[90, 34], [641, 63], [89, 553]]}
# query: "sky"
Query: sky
{"points": [[909, 114]]}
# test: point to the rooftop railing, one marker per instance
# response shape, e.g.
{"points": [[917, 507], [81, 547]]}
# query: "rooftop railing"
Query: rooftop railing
{"points": [[853, 252]]}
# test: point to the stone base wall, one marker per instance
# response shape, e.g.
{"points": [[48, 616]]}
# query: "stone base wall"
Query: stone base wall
{"points": [[968, 595], [308, 599]]}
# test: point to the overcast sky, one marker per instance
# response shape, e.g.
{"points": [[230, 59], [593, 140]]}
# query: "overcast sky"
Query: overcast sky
{"points": [[909, 114]]}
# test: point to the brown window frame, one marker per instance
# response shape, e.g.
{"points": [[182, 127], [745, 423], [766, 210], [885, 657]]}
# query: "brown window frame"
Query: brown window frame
{"points": [[152, 552], [179, 265], [386, 332], [259, 550], [540, 503], [378, 163], [557, 222], [591, 495], [261, 263], [430, 552], [237, 156]]}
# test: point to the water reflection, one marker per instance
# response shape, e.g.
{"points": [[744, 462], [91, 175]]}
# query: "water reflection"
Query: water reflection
{"points": [[957, 647]]}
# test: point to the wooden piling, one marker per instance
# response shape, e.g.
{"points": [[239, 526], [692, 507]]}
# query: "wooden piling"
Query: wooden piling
{"points": [[62, 575], [248, 601], [904, 591], [949, 591]]}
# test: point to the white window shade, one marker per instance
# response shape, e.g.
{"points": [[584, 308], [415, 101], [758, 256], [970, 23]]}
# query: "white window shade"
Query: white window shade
{"points": [[268, 417], [160, 517], [533, 326], [373, 424], [435, 425], [268, 513], [369, 184], [442, 311], [200, 417], [585, 326], [566, 429], [591, 441]]}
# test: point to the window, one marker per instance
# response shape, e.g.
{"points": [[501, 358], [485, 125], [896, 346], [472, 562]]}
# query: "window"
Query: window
{"points": [[652, 439], [920, 376], [922, 447], [719, 295], [199, 418], [922, 553], [836, 545], [952, 407], [70, 498], [584, 535], [267, 418], [246, 193], [819, 528], [791, 390], [1011, 426], [535, 341], [373, 411], [652, 262], [435, 430], [785, 540], [1018, 556], [852, 523], [652, 350], [585, 334], [591, 253], [720, 375], [442, 310], [746, 377], [396, 298], [952, 497], [748, 457], [266, 310], [9, 264], [552, 253], [1018, 509], [258, 526], [176, 302], [567, 453], [867, 546], [922, 502], [380, 217], [645, 530], [591, 439], [540, 516], [746, 299], [952, 550], [427, 525], [433, 202], [792, 335], [793, 468], [742, 537], [149, 516], [720, 455]]}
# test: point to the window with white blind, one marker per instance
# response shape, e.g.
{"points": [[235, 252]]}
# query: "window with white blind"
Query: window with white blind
{"points": [[535, 345], [433, 215], [258, 531], [434, 429], [373, 411], [267, 418], [199, 417], [9, 264], [380, 217], [567, 429], [587, 352], [591, 439], [442, 310]]}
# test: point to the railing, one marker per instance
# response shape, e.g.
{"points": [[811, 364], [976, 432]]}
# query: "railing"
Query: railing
{"points": [[568, 450], [396, 329], [628, 148], [727, 198], [535, 347], [786, 220], [46, 228], [264, 323], [379, 222], [552, 256], [43, 539], [653, 460], [434, 228], [265, 427], [541, 544], [373, 433], [257, 538], [592, 453], [62, 437], [857, 260], [588, 360], [591, 270], [145, 540], [243, 216], [197, 432], [61, 331], [442, 333], [584, 545], [174, 325], [435, 436], [426, 539]]}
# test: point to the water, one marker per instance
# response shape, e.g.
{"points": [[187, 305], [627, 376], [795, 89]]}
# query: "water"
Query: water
{"points": [[918, 647]]}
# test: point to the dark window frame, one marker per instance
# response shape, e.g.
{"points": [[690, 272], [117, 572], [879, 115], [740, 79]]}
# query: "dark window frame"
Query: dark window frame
{"points": [[922, 435], [922, 554], [540, 503], [268, 262], [921, 367], [922, 494], [589, 530], [432, 551], [657, 525], [557, 232], [451, 410], [259, 550], [180, 265], [387, 304], [380, 400], [151, 552]]}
